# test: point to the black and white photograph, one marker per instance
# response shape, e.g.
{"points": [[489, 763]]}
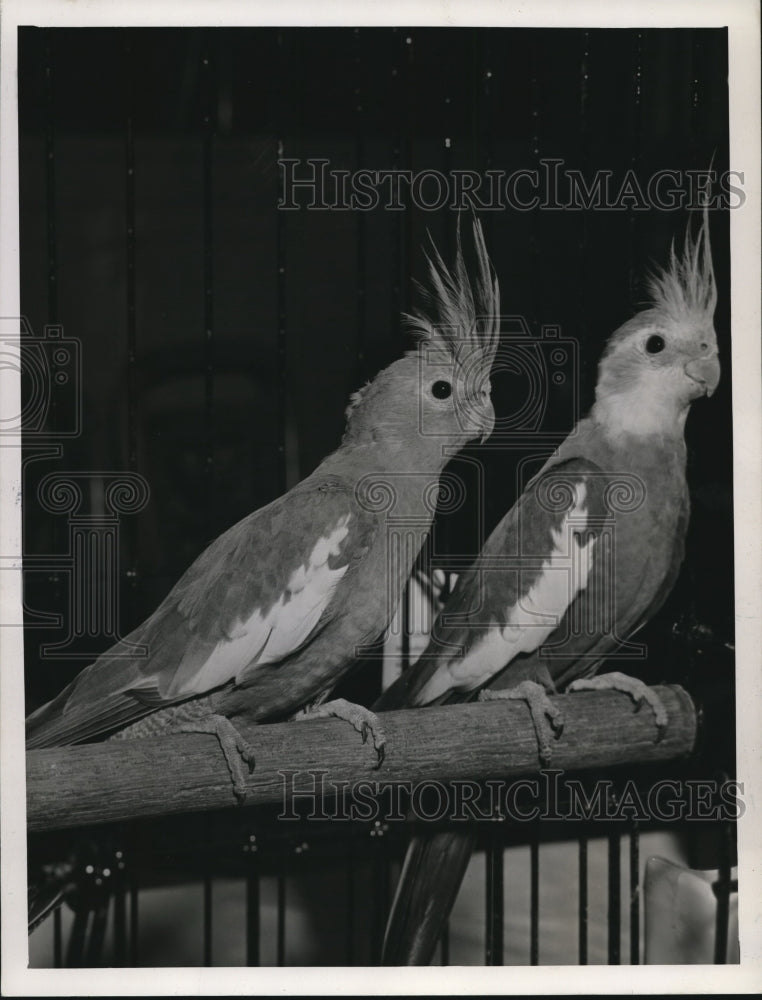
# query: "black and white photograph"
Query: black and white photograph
{"points": [[381, 472]]}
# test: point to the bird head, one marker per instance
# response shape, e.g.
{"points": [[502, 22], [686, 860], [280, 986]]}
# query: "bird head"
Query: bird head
{"points": [[666, 356], [438, 394]]}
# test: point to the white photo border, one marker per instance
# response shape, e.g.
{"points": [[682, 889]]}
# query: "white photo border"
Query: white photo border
{"points": [[742, 20]]}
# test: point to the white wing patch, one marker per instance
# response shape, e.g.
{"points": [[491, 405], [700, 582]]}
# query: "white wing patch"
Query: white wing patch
{"points": [[529, 622], [268, 638]]}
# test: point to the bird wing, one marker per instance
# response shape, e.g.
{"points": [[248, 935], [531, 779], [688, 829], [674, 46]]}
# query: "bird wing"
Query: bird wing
{"points": [[531, 569], [670, 578], [257, 593]]}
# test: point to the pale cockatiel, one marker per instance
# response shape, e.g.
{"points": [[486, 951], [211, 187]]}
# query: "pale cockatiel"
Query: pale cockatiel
{"points": [[271, 615], [585, 557]]}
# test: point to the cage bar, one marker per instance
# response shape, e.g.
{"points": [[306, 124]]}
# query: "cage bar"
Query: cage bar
{"points": [[253, 919], [494, 875], [634, 895], [583, 900], [615, 899], [534, 898]]}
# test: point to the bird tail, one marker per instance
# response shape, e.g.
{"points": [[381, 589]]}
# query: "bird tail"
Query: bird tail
{"points": [[41, 723], [431, 875], [47, 890]]}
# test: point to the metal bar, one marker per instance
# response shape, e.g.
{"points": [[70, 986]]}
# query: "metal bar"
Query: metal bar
{"points": [[98, 918], [77, 937], [350, 907], [634, 895], [398, 265], [583, 310], [535, 250], [280, 279], [380, 897], [253, 918], [493, 949], [209, 106], [400, 157], [57, 939], [130, 250], [615, 900], [583, 900], [359, 119], [695, 128], [207, 919], [486, 106], [131, 290], [722, 892], [584, 87], [50, 181], [120, 923], [635, 268], [280, 941], [134, 920], [534, 898], [406, 156], [51, 249]]}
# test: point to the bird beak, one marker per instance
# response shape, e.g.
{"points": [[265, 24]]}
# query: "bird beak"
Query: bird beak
{"points": [[705, 371]]}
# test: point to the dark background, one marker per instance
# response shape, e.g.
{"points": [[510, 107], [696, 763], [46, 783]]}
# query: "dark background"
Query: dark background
{"points": [[220, 337]]}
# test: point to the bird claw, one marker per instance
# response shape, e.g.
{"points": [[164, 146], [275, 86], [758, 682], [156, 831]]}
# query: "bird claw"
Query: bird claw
{"points": [[234, 748], [639, 692], [547, 718], [362, 719]]}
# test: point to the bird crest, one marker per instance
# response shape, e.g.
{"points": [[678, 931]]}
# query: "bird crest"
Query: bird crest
{"points": [[459, 318], [684, 292]]}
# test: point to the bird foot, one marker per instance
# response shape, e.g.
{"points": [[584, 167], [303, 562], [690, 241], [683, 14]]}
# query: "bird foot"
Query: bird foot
{"points": [[361, 719], [546, 717], [637, 690], [236, 749]]}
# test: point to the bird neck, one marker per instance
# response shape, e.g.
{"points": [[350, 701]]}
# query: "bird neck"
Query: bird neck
{"points": [[632, 413], [425, 457], [393, 481]]}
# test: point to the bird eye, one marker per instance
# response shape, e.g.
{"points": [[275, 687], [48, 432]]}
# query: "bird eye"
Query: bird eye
{"points": [[655, 344], [441, 390]]}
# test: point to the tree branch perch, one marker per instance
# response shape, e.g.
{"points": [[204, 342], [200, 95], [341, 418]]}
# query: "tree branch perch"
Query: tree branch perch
{"points": [[107, 782]]}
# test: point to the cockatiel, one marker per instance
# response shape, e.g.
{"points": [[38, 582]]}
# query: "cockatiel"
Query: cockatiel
{"points": [[272, 614], [585, 557]]}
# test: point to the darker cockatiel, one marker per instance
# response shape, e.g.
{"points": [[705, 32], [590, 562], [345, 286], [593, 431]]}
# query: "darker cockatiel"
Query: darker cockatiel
{"points": [[585, 557], [273, 613]]}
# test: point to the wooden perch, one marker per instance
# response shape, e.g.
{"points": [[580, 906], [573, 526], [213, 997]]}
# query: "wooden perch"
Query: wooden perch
{"points": [[106, 782]]}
